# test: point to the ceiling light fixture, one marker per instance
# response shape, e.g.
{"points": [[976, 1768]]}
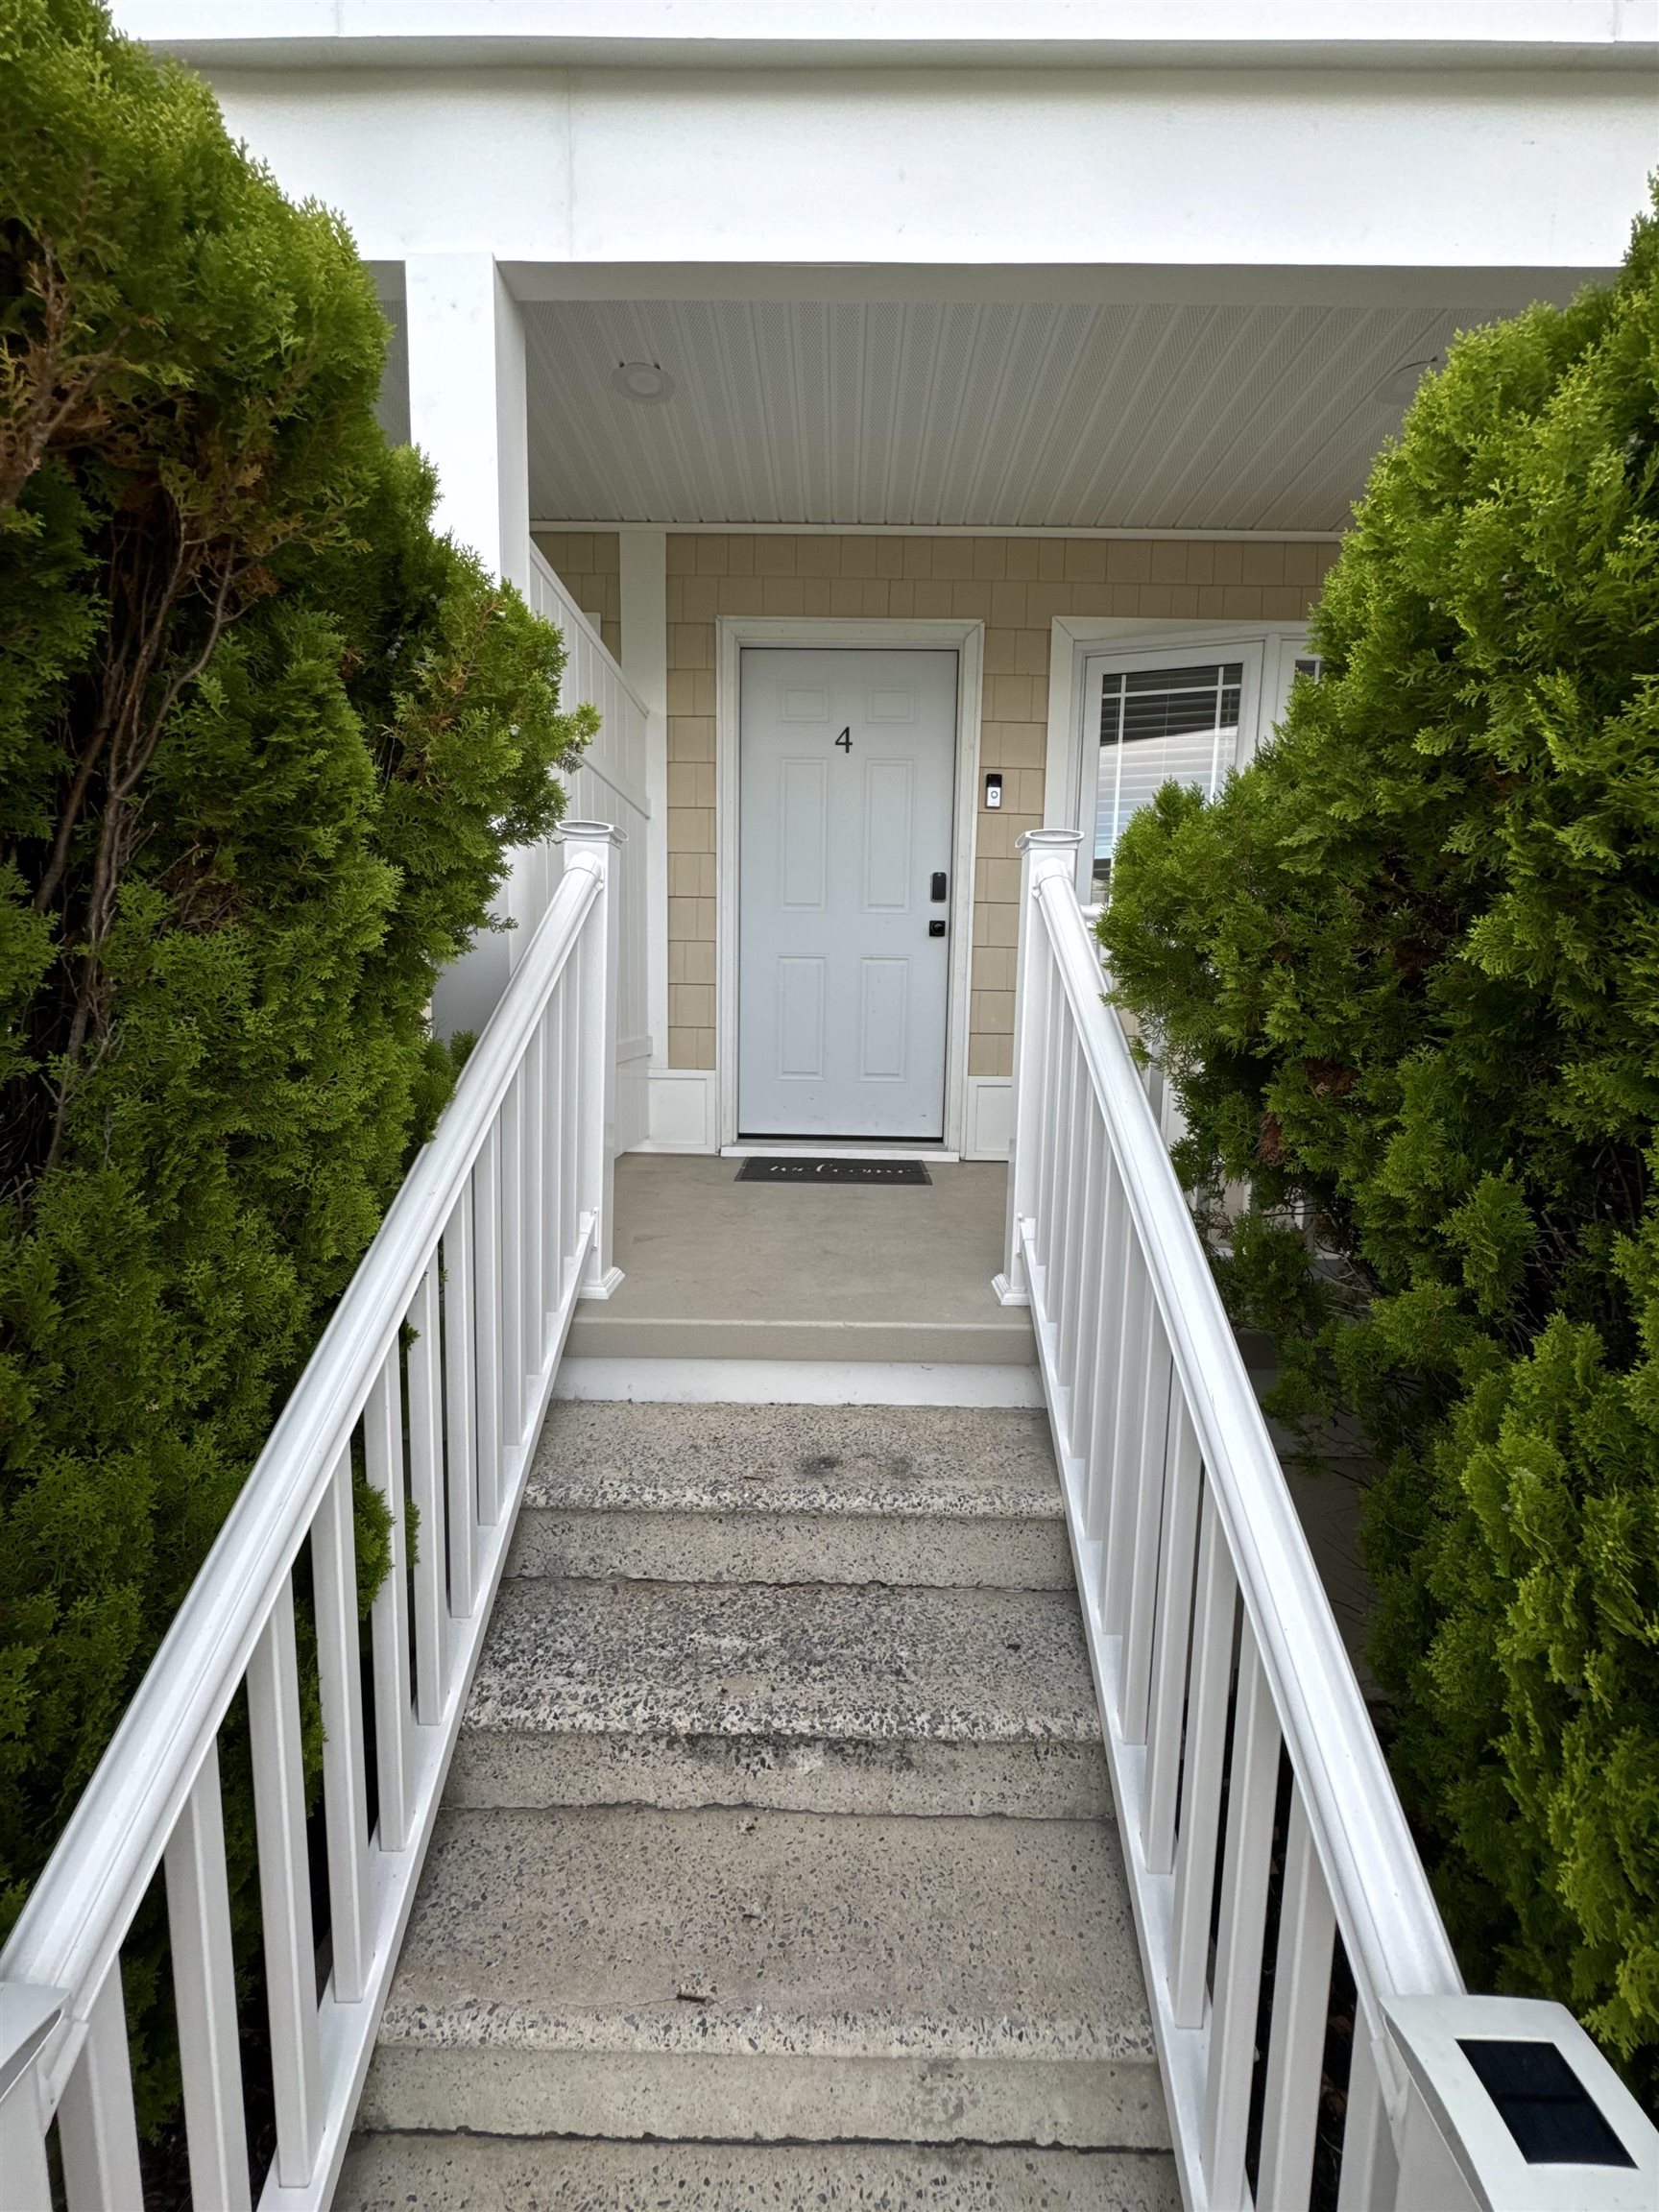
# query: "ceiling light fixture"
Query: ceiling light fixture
{"points": [[1401, 383], [642, 380]]}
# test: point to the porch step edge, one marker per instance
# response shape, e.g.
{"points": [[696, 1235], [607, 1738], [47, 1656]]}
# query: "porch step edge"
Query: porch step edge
{"points": [[388, 2172]]}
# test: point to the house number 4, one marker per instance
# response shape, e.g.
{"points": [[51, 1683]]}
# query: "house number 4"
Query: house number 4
{"points": [[844, 740]]}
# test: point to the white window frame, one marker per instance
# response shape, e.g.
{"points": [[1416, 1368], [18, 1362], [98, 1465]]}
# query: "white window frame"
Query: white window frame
{"points": [[1269, 652]]}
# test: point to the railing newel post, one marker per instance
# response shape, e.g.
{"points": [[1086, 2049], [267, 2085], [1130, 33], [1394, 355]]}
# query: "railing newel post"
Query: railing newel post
{"points": [[97, 2125], [1042, 852], [29, 2019]]}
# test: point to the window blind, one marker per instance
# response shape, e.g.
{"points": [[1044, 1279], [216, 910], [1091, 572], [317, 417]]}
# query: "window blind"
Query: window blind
{"points": [[1160, 726]]}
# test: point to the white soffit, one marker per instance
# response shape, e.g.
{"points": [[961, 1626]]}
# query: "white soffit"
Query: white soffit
{"points": [[963, 414]]}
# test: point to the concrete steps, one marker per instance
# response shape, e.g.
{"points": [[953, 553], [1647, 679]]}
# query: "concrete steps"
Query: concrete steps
{"points": [[944, 1496], [779, 1833], [770, 1976], [811, 1698], [480, 2174]]}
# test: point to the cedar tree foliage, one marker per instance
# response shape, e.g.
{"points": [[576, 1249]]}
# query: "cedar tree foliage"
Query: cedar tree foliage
{"points": [[1405, 974], [264, 741]]}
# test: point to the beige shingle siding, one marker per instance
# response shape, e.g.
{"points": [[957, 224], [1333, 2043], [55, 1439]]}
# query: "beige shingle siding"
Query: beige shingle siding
{"points": [[1016, 586], [589, 564]]}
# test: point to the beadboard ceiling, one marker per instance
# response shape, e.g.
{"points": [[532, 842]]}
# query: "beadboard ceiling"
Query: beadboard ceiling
{"points": [[996, 414]]}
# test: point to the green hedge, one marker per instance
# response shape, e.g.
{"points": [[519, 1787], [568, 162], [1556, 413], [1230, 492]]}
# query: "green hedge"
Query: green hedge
{"points": [[1405, 971], [264, 738]]}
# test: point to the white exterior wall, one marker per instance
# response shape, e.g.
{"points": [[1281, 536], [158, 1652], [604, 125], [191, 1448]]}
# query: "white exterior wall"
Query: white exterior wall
{"points": [[1117, 170]]}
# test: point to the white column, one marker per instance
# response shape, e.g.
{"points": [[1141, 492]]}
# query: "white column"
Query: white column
{"points": [[467, 413], [645, 665], [466, 403]]}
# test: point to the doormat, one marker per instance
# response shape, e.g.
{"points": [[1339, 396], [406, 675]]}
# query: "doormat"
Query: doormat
{"points": [[758, 1169]]}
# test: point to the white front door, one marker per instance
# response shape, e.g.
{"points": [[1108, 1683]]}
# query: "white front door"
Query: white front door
{"points": [[846, 776]]}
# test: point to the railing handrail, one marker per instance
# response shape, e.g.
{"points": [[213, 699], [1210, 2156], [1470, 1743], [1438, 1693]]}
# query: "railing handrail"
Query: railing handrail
{"points": [[83, 1904], [1396, 1939]]}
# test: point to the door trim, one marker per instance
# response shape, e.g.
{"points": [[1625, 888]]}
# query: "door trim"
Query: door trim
{"points": [[966, 641]]}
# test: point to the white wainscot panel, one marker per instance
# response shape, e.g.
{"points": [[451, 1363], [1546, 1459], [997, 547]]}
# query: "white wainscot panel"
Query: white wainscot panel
{"points": [[682, 1114], [989, 1119]]}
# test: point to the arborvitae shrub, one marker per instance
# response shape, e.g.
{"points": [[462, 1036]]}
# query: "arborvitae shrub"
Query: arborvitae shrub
{"points": [[264, 740], [1404, 972]]}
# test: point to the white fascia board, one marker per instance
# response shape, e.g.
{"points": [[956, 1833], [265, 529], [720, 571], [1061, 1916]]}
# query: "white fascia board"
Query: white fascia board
{"points": [[728, 34]]}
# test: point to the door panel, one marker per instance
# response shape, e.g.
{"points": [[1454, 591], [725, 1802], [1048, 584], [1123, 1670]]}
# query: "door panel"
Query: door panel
{"points": [[846, 781]]}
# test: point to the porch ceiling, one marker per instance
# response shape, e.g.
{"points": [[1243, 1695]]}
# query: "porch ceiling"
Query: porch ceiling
{"points": [[974, 414]]}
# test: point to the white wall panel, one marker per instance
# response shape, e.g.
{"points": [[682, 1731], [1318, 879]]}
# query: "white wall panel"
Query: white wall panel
{"points": [[1329, 167]]}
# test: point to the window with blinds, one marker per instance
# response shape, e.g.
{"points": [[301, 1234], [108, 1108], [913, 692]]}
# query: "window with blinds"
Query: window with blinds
{"points": [[1159, 726]]}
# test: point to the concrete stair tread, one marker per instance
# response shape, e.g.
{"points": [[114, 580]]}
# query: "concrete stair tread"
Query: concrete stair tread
{"points": [[864, 1662], [772, 1934], [497, 2173], [947, 1463]]}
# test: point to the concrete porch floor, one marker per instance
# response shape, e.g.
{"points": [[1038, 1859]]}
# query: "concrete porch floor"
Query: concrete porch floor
{"points": [[718, 1269]]}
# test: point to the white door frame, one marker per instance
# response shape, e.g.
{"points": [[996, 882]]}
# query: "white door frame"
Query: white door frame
{"points": [[1075, 639], [966, 641]]}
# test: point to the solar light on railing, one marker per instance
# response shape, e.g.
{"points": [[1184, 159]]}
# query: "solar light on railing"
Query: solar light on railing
{"points": [[1511, 2107]]}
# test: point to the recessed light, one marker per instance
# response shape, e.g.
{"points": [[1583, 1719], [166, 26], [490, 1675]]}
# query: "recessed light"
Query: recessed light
{"points": [[643, 380], [1400, 384]]}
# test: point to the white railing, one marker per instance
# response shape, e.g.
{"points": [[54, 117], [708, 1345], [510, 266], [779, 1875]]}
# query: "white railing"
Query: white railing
{"points": [[1248, 1779], [431, 1379], [607, 784]]}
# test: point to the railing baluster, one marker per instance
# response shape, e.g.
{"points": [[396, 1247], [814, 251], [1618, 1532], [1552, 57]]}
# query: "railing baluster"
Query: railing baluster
{"points": [[1370, 2168], [1157, 1437], [1085, 1372], [459, 1423], [561, 1096], [550, 1282], [512, 1219], [1060, 1227], [532, 1310], [1216, 1601], [572, 1000], [1058, 1028], [1177, 1554], [383, 1462], [1301, 1999], [1115, 1234], [340, 1676], [1133, 1352], [426, 1489], [97, 2130], [1253, 1781], [205, 1997], [485, 1184], [285, 1883], [1078, 1225]]}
